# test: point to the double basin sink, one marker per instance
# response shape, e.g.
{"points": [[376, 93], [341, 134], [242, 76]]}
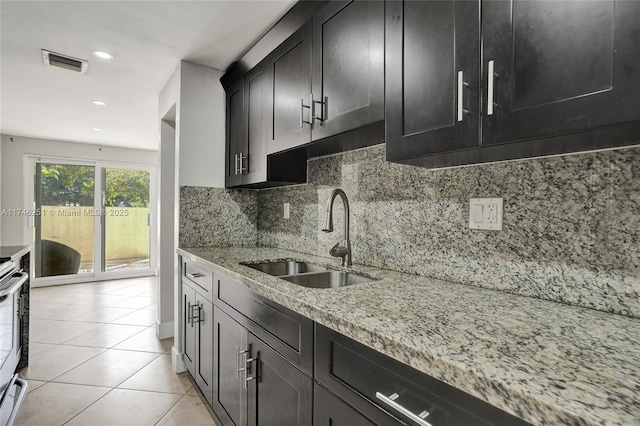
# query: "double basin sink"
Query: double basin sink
{"points": [[308, 274]]}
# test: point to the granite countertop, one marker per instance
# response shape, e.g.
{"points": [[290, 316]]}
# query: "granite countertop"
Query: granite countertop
{"points": [[13, 252], [545, 362]]}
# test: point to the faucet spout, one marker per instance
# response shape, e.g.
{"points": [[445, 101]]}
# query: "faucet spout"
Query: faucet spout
{"points": [[343, 251]]}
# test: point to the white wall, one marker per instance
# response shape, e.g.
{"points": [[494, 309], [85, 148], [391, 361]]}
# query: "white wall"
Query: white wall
{"points": [[191, 119], [202, 121], [168, 122], [14, 149]]}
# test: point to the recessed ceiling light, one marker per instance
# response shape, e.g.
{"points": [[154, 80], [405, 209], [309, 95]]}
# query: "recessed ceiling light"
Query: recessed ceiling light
{"points": [[97, 129], [99, 103], [102, 54]]}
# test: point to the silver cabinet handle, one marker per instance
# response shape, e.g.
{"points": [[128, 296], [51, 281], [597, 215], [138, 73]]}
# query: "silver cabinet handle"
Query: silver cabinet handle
{"points": [[390, 401], [189, 313], [247, 363], [235, 163], [302, 107], [241, 369], [195, 276], [491, 75], [461, 86], [322, 104], [193, 315], [242, 166], [237, 362]]}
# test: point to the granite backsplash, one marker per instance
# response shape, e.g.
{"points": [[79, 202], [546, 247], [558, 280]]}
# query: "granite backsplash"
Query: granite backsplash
{"points": [[217, 217], [571, 230]]}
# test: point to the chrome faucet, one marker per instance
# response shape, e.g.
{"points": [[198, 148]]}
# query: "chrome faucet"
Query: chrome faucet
{"points": [[341, 249]]}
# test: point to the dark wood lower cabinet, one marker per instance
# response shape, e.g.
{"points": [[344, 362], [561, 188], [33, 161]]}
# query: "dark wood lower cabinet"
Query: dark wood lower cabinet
{"points": [[229, 395], [329, 410], [376, 384], [198, 337], [279, 393], [255, 385], [190, 336]]}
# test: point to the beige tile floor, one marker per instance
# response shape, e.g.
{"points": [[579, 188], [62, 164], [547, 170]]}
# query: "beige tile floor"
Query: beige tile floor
{"points": [[95, 360]]}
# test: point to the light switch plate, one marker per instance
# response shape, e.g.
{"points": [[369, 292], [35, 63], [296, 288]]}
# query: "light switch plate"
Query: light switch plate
{"points": [[485, 213]]}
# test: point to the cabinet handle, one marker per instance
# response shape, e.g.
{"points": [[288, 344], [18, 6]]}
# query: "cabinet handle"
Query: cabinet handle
{"points": [[242, 166], [237, 362], [491, 76], [323, 104], [461, 85], [302, 107], [193, 315], [247, 363], [195, 276], [241, 369], [235, 163], [390, 401], [189, 313]]}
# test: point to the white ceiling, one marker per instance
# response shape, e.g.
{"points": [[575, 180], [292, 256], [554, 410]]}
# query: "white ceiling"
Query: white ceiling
{"points": [[147, 38]]}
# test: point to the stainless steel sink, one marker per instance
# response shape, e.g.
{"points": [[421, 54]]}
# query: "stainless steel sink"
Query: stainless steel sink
{"points": [[327, 279], [286, 267]]}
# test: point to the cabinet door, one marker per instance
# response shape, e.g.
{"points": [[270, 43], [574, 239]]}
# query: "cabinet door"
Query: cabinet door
{"points": [[558, 67], [348, 66], [279, 393], [235, 139], [329, 410], [290, 91], [253, 163], [204, 348], [230, 338], [190, 330], [432, 77]]}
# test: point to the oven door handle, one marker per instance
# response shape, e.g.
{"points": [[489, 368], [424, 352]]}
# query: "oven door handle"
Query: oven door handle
{"points": [[10, 287], [22, 384]]}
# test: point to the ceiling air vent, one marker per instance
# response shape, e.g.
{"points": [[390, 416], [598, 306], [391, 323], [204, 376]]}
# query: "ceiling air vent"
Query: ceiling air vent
{"points": [[67, 62]]}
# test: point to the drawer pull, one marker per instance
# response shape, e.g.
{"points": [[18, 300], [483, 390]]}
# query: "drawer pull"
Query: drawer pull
{"points": [[195, 311], [491, 76], [302, 107], [461, 86], [390, 401], [195, 275]]}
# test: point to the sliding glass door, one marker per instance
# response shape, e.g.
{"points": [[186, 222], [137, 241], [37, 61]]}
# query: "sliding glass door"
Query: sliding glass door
{"points": [[63, 232], [91, 220], [127, 219]]}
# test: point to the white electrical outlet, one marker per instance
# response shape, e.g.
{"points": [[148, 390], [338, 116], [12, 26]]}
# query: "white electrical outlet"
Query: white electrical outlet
{"points": [[287, 211], [485, 213]]}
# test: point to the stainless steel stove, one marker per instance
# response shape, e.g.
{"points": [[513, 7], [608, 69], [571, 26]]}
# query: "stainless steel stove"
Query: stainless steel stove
{"points": [[12, 387]]}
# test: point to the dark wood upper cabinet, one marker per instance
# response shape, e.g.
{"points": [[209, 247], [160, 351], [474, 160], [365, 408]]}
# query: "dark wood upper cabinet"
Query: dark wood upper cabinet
{"points": [[235, 140], [248, 164], [288, 110], [328, 77], [432, 77], [348, 67], [254, 161], [546, 77], [559, 67]]}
